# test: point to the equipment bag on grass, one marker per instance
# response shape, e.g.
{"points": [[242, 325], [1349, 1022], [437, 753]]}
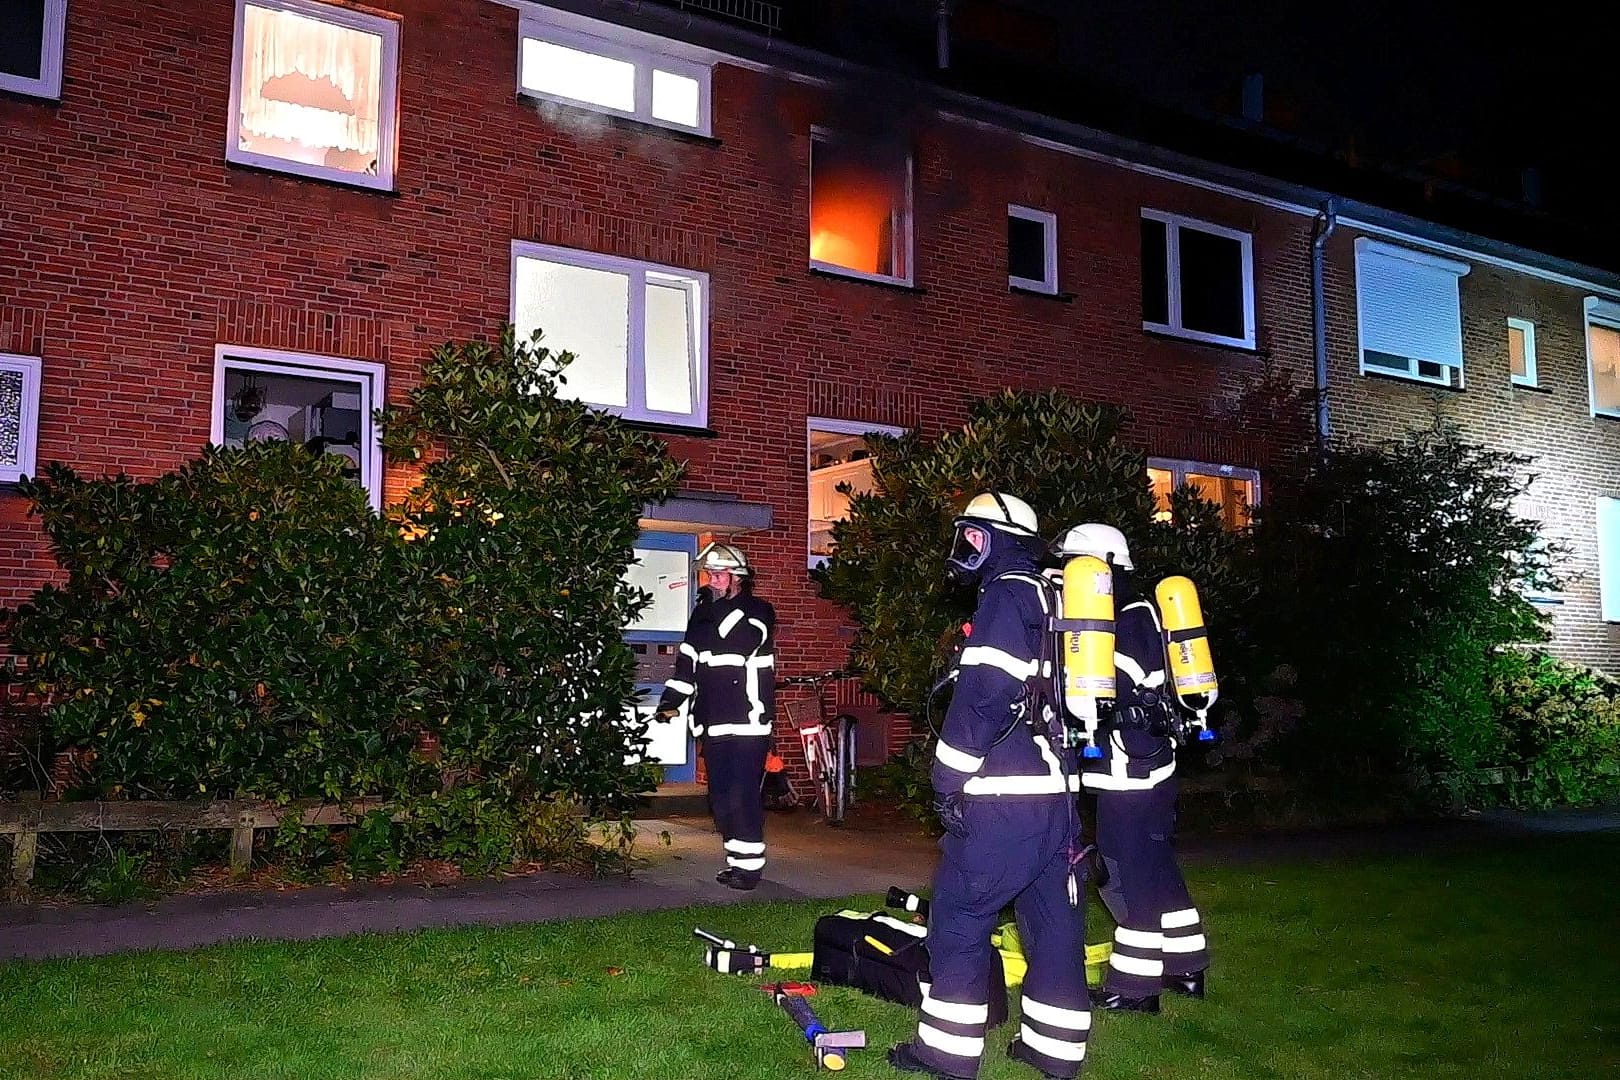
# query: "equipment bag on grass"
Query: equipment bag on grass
{"points": [[886, 957]]}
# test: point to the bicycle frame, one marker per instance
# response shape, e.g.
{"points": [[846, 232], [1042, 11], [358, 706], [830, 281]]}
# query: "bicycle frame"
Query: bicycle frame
{"points": [[828, 741]]}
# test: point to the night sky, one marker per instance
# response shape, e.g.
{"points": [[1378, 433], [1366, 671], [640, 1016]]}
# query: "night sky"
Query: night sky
{"points": [[1412, 82]]}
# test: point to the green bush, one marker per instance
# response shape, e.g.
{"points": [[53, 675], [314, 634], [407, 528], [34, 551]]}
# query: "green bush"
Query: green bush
{"points": [[1561, 724], [1396, 573], [240, 627], [1068, 459], [247, 626]]}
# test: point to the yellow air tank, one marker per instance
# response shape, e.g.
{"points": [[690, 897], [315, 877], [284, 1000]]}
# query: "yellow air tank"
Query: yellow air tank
{"points": [[1192, 669], [1088, 647]]}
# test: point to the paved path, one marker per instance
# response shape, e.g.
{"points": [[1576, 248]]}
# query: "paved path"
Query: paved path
{"points": [[807, 860]]}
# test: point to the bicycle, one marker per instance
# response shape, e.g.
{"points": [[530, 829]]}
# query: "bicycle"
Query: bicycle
{"points": [[828, 739]]}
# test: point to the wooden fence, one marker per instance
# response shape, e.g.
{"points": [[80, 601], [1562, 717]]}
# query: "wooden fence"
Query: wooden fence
{"points": [[24, 820]]}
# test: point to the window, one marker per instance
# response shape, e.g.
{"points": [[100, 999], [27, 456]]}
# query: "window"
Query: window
{"points": [[860, 210], [1603, 355], [838, 457], [31, 46], [1608, 529], [1232, 489], [1409, 313], [1032, 249], [313, 91], [1522, 352], [324, 403], [1197, 280], [639, 331], [582, 69], [19, 416]]}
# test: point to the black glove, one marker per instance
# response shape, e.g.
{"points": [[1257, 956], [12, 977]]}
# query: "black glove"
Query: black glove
{"points": [[949, 808]]}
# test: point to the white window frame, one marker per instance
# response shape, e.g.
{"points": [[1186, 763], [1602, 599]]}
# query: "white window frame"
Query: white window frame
{"points": [[1412, 373], [368, 375], [908, 219], [28, 418], [636, 353], [1178, 469], [1608, 553], [1173, 224], [616, 43], [833, 427], [1528, 329], [52, 44], [1604, 313], [387, 95], [1047, 220]]}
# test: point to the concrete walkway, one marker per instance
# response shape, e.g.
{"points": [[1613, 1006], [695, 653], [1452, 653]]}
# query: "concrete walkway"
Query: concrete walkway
{"points": [[808, 860]]}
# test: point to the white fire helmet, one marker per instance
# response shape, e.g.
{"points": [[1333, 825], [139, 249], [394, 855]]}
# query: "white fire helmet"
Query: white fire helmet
{"points": [[1094, 538]]}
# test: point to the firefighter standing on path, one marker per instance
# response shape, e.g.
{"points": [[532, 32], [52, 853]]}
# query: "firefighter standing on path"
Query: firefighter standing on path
{"points": [[1005, 793], [724, 686], [1159, 940]]}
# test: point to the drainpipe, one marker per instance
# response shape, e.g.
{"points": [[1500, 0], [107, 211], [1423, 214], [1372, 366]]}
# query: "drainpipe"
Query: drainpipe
{"points": [[1326, 222], [942, 33]]}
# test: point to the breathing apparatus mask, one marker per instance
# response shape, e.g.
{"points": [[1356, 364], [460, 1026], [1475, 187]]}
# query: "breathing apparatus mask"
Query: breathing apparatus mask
{"points": [[970, 548]]}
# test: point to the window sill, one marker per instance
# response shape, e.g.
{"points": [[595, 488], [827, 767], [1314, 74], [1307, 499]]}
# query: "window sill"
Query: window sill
{"points": [[29, 97], [1531, 388], [1041, 294], [1249, 351], [305, 178], [1609, 417], [659, 427], [819, 270], [644, 127], [1411, 380]]}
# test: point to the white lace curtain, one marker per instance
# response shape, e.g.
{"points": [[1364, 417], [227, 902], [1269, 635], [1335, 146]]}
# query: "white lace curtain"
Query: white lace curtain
{"points": [[308, 81]]}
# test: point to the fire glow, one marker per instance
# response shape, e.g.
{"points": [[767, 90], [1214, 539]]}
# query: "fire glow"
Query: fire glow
{"points": [[857, 211]]}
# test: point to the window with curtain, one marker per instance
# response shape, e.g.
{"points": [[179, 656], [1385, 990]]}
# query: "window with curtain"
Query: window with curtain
{"points": [[314, 91]]}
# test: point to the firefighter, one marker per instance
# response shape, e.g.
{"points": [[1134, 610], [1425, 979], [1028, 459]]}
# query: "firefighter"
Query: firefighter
{"points": [[724, 687], [1004, 791], [1159, 940]]}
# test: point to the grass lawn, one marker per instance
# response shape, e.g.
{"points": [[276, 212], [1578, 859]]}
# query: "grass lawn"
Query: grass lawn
{"points": [[1480, 964]]}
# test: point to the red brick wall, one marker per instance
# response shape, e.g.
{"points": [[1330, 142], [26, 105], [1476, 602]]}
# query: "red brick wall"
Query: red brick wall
{"points": [[1575, 456], [129, 249]]}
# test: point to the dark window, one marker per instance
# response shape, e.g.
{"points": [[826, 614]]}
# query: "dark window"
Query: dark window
{"points": [[1026, 248], [1211, 283], [1155, 278], [23, 39]]}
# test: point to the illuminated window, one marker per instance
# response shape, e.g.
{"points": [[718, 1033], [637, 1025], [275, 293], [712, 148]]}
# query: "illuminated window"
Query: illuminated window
{"points": [[323, 403], [639, 331], [1232, 489], [313, 91], [19, 416], [1197, 280], [1603, 355], [860, 210], [626, 78], [1522, 352], [839, 459], [1608, 530], [1031, 249], [1409, 313], [31, 46]]}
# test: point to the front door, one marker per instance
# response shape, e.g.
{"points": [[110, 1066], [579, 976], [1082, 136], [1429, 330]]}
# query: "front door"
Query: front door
{"points": [[663, 567]]}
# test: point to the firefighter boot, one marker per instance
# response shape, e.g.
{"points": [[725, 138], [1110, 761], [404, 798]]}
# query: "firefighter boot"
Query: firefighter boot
{"points": [[904, 1058], [1116, 1002], [736, 879], [1187, 985]]}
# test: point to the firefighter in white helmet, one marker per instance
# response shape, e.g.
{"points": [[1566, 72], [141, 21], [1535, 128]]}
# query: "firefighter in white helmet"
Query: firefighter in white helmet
{"points": [[1159, 943], [724, 686], [1005, 791]]}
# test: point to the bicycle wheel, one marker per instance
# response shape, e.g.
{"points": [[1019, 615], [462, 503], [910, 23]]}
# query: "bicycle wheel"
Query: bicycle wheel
{"points": [[843, 770]]}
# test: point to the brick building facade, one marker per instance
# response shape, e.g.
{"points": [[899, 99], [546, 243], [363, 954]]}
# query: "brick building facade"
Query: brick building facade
{"points": [[155, 255]]}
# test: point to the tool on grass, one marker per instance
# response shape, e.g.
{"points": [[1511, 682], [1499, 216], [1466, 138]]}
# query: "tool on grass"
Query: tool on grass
{"points": [[830, 1046], [729, 958], [899, 898]]}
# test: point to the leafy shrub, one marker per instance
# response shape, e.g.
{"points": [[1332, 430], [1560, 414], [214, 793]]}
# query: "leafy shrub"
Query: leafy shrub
{"points": [[1395, 576], [246, 626], [1561, 724]]}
